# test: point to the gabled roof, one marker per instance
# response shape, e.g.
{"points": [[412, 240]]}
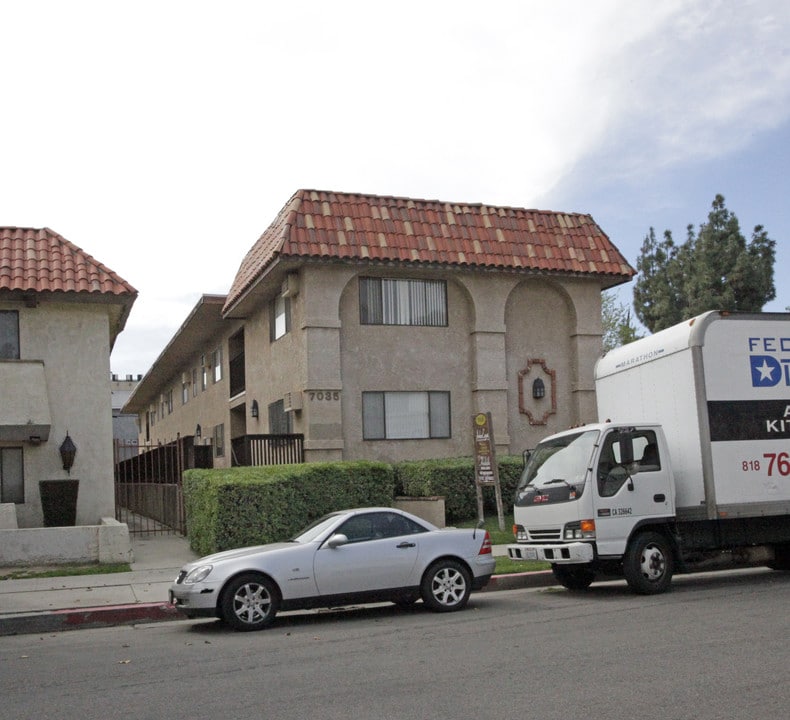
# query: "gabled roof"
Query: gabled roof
{"points": [[36, 261], [40, 260], [319, 225]]}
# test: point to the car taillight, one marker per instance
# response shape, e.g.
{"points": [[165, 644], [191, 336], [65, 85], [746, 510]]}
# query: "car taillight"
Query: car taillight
{"points": [[485, 548]]}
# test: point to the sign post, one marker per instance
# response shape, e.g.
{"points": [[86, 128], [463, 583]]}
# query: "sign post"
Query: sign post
{"points": [[486, 470]]}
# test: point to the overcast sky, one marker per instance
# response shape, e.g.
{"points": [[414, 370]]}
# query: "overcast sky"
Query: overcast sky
{"points": [[163, 137]]}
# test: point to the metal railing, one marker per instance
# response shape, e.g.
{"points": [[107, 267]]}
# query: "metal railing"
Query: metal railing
{"points": [[268, 449]]}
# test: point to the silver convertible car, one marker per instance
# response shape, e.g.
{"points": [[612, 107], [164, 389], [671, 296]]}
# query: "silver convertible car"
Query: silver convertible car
{"points": [[351, 556]]}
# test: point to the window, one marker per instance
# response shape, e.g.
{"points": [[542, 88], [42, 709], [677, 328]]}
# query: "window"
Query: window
{"points": [[12, 480], [9, 335], [203, 373], [280, 422], [612, 472], [386, 301], [219, 441], [194, 382], [184, 393], [216, 359], [169, 401], [378, 525], [405, 415], [279, 317]]}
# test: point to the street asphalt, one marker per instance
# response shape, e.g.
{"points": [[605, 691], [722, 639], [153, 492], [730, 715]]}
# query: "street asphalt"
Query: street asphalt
{"points": [[55, 604]]}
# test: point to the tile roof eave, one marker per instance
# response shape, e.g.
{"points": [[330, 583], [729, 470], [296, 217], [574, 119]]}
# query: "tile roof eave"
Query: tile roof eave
{"points": [[468, 266]]}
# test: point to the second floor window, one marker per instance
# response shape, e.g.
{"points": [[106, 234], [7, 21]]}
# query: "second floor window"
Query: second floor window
{"points": [[279, 317], [9, 335], [388, 301], [216, 360]]}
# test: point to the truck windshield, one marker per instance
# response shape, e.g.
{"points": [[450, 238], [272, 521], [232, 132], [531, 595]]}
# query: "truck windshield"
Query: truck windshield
{"points": [[557, 468]]}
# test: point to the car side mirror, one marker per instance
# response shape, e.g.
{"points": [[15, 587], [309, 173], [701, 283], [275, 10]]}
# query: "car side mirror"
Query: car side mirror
{"points": [[337, 540]]}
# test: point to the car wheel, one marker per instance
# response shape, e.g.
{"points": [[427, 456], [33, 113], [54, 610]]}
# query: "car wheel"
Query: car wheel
{"points": [[446, 586], [648, 564], [573, 577], [250, 602]]}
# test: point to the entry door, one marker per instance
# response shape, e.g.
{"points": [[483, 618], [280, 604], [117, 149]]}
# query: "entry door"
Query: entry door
{"points": [[624, 497]]}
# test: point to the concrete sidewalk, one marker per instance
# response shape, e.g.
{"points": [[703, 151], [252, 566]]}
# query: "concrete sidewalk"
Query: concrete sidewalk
{"points": [[88, 601]]}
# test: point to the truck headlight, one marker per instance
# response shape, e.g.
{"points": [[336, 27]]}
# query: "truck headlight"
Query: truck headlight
{"points": [[583, 530], [198, 574]]}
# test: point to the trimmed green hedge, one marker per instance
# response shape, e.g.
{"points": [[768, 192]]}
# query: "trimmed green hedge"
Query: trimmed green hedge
{"points": [[236, 507], [455, 479], [243, 506]]}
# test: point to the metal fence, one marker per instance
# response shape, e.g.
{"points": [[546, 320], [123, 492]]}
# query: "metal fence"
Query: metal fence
{"points": [[149, 496], [148, 493]]}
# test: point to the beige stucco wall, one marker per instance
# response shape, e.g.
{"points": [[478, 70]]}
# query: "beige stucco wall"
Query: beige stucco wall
{"points": [[497, 323], [558, 324], [72, 341]]}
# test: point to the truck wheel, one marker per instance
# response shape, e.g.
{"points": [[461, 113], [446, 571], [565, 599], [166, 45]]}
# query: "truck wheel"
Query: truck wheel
{"points": [[781, 559], [648, 564], [573, 577]]}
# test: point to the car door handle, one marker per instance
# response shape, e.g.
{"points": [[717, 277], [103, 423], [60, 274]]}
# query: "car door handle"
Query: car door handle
{"points": [[406, 544]]}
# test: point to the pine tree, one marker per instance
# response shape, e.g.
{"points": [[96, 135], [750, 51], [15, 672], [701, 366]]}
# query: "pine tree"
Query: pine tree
{"points": [[715, 269]]}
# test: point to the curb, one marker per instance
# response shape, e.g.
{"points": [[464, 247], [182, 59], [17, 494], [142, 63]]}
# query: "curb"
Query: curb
{"points": [[517, 581], [87, 618], [114, 615]]}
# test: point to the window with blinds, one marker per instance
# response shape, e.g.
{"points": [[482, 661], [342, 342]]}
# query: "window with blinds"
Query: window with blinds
{"points": [[390, 301]]}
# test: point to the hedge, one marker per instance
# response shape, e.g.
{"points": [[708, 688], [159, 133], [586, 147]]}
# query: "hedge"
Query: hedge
{"points": [[455, 480], [236, 507]]}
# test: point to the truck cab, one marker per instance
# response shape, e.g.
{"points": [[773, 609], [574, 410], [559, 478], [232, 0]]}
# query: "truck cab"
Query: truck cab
{"points": [[584, 494]]}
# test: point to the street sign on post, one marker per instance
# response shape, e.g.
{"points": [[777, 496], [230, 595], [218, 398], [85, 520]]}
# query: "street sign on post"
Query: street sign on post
{"points": [[486, 470]]}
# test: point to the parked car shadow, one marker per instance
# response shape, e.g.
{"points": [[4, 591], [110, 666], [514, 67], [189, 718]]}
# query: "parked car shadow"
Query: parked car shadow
{"points": [[289, 620]]}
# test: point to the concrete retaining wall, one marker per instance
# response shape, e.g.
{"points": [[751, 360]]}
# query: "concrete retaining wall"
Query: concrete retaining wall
{"points": [[105, 543], [427, 508], [8, 516]]}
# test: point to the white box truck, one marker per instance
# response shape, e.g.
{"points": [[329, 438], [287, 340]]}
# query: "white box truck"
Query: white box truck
{"points": [[687, 470]]}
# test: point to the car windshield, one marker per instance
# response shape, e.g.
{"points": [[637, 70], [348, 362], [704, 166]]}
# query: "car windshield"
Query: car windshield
{"points": [[316, 528], [560, 460]]}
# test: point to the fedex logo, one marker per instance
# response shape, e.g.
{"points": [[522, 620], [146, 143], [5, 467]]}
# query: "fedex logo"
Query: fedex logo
{"points": [[769, 370]]}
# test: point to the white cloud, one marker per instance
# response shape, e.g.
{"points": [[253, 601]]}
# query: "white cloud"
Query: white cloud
{"points": [[163, 137]]}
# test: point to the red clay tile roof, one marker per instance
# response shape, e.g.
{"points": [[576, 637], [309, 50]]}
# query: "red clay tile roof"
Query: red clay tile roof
{"points": [[342, 226], [39, 260]]}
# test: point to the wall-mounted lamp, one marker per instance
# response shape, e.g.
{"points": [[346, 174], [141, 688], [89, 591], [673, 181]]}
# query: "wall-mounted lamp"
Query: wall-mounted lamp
{"points": [[198, 431], [538, 389], [254, 409], [67, 452]]}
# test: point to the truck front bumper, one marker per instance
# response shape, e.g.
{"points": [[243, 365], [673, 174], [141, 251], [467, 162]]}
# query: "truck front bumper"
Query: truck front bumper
{"points": [[570, 553]]}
